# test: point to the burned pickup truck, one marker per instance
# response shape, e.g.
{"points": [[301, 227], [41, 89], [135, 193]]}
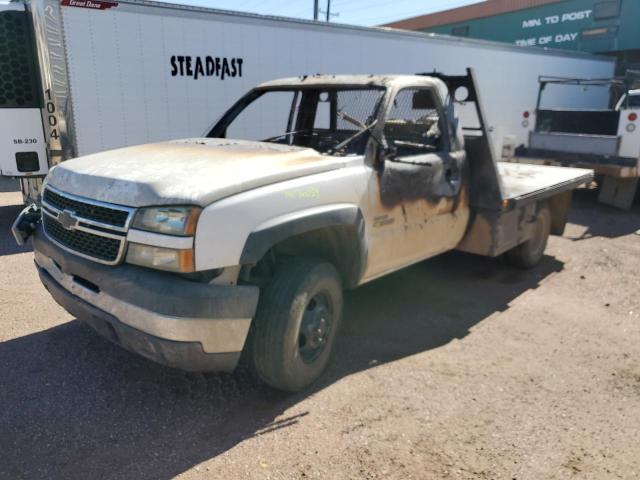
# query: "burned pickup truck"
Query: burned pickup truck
{"points": [[193, 252]]}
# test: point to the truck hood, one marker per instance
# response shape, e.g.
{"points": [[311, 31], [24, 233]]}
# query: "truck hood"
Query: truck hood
{"points": [[195, 171]]}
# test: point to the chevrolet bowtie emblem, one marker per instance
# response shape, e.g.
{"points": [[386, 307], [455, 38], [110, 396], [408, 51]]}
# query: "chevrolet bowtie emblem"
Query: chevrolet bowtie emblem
{"points": [[67, 219]]}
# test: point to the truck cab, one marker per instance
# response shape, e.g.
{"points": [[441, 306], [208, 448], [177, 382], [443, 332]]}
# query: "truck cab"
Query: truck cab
{"points": [[196, 252]]}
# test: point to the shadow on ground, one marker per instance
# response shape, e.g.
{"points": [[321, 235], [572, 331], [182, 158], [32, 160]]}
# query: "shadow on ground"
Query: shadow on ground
{"points": [[73, 405], [602, 220]]}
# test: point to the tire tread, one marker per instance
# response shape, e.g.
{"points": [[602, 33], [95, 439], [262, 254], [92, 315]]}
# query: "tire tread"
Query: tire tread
{"points": [[271, 322]]}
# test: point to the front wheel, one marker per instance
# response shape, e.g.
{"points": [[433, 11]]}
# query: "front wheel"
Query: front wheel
{"points": [[529, 253], [295, 327]]}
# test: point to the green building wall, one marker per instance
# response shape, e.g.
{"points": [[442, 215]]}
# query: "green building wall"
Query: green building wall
{"points": [[597, 26]]}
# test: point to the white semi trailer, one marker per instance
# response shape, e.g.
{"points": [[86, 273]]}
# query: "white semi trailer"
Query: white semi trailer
{"points": [[83, 76]]}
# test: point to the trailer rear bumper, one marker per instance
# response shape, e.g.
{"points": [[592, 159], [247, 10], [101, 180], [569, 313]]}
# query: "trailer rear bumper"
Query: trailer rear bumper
{"points": [[172, 321]]}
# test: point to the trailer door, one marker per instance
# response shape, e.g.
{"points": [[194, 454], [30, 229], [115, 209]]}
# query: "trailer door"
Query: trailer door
{"points": [[22, 141]]}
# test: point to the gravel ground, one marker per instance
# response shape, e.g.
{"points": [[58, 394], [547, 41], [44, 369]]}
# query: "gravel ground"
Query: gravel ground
{"points": [[459, 367]]}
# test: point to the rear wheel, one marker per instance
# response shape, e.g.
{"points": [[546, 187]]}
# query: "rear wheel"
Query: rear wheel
{"points": [[295, 327], [529, 253]]}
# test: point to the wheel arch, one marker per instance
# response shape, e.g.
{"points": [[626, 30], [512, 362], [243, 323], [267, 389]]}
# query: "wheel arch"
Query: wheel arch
{"points": [[335, 233]]}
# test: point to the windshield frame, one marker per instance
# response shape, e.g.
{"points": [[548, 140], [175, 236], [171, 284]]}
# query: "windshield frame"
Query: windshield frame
{"points": [[219, 129]]}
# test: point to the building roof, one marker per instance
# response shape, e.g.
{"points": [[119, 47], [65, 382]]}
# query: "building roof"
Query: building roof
{"points": [[486, 8]]}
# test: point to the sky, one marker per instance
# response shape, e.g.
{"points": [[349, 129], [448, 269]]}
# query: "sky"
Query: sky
{"points": [[354, 12]]}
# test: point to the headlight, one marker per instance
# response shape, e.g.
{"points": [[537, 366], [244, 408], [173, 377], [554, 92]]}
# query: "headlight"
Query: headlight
{"points": [[169, 220], [161, 258]]}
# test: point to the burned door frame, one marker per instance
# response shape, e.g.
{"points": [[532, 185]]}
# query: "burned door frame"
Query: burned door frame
{"points": [[417, 223], [440, 170]]}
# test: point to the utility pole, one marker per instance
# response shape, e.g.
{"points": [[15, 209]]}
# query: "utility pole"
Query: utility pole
{"points": [[317, 11]]}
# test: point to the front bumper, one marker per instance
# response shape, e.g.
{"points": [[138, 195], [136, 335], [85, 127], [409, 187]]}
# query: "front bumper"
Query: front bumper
{"points": [[183, 324]]}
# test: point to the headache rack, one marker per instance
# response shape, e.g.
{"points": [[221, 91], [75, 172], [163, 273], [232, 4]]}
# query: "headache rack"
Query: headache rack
{"points": [[486, 185]]}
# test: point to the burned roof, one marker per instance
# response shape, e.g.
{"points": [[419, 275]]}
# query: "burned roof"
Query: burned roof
{"points": [[375, 81]]}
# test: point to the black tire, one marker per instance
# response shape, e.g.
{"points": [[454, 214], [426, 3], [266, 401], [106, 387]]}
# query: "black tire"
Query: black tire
{"points": [[298, 315], [529, 253]]}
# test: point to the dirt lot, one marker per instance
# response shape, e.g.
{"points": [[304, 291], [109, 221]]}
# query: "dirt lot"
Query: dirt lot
{"points": [[459, 367]]}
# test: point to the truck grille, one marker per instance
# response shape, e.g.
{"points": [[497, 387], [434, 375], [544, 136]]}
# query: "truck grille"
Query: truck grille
{"points": [[89, 211], [88, 228], [95, 246]]}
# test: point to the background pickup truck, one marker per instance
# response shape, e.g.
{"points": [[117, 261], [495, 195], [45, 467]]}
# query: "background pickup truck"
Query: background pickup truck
{"points": [[606, 140], [193, 252]]}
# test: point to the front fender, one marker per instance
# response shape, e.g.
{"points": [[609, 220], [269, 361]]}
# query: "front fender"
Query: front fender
{"points": [[286, 226], [241, 228]]}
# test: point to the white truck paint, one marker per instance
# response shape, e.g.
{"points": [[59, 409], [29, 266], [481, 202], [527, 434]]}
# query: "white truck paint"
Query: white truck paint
{"points": [[133, 72]]}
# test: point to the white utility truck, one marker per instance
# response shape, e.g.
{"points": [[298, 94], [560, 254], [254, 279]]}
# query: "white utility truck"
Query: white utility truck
{"points": [[192, 251], [80, 77], [605, 137]]}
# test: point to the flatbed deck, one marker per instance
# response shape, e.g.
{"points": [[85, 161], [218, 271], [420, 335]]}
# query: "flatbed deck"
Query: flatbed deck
{"points": [[521, 182]]}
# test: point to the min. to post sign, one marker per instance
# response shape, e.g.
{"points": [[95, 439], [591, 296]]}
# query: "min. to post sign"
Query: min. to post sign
{"points": [[541, 23]]}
